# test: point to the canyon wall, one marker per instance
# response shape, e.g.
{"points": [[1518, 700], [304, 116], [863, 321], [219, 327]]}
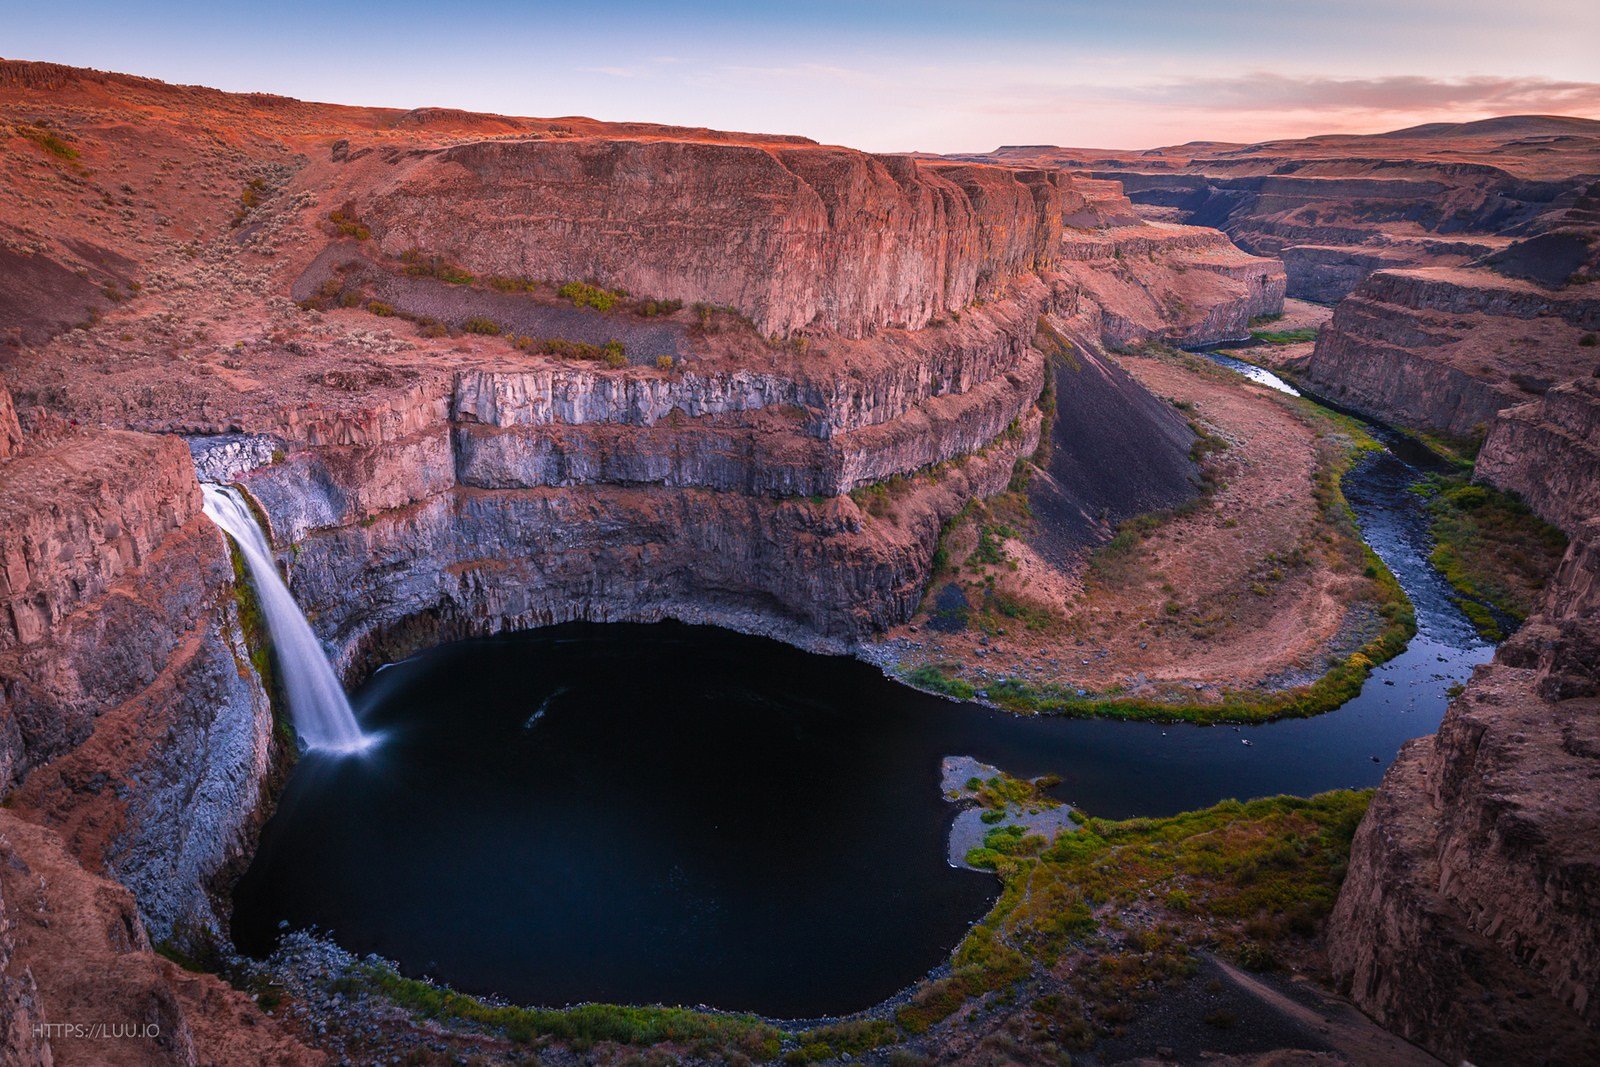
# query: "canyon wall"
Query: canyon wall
{"points": [[121, 659], [74, 952], [1336, 208], [1548, 453], [1334, 221], [791, 236], [1446, 349], [1187, 285], [1470, 918], [515, 497]]}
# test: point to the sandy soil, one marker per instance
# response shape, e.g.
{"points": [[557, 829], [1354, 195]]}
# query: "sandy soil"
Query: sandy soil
{"points": [[1245, 590]]}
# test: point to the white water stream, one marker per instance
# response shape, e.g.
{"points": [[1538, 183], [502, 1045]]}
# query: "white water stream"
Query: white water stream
{"points": [[321, 712]]}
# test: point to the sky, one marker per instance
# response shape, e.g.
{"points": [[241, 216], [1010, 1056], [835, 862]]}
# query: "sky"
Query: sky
{"points": [[896, 75]]}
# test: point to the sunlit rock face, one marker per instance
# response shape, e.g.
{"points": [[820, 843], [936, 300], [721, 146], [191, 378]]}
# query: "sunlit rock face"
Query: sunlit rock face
{"points": [[790, 235]]}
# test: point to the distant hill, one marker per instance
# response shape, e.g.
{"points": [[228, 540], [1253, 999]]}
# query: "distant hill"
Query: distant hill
{"points": [[1501, 126]]}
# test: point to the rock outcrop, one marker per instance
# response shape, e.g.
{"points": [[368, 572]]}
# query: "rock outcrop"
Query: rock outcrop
{"points": [[121, 660], [80, 983], [1184, 284], [1470, 919], [791, 236], [1446, 349], [10, 430], [1548, 453]]}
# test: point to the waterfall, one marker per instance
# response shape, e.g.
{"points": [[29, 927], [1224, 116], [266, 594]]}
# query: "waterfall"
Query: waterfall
{"points": [[321, 713]]}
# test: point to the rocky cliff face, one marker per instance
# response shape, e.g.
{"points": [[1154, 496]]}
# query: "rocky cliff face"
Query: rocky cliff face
{"points": [[10, 430], [1471, 915], [1337, 208], [1446, 350], [1184, 284], [517, 497], [121, 660], [792, 236], [73, 950], [1548, 453]]}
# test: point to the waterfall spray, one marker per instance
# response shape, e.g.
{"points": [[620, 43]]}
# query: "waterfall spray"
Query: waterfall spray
{"points": [[321, 713]]}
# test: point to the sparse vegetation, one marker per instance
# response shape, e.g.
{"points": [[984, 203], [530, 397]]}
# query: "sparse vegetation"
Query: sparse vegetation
{"points": [[1492, 549], [1285, 337], [418, 265], [49, 140], [710, 1035], [582, 294], [1252, 881], [255, 191], [346, 224], [612, 353]]}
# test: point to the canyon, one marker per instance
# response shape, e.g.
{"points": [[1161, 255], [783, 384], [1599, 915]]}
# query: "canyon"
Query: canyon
{"points": [[481, 374]]}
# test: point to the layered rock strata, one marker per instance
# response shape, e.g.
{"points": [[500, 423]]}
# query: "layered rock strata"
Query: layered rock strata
{"points": [[791, 236], [1548, 453], [121, 660], [80, 983], [1337, 208], [1445, 350]]}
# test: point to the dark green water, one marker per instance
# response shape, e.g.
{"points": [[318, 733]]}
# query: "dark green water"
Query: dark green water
{"points": [[665, 813]]}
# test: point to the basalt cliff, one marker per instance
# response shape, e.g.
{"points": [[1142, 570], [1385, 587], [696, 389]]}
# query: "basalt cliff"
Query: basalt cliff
{"points": [[1460, 262], [477, 373]]}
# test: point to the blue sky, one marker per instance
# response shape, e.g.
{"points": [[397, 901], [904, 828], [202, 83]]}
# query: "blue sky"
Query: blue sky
{"points": [[936, 75]]}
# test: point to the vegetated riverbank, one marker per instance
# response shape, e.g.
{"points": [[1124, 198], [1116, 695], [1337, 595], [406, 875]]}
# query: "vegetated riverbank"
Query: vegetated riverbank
{"points": [[1492, 549], [1258, 601], [1487, 543], [1112, 936]]}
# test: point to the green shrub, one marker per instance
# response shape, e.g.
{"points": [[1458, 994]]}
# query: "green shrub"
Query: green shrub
{"points": [[582, 294], [347, 224], [487, 327], [50, 141], [1491, 548], [418, 265]]}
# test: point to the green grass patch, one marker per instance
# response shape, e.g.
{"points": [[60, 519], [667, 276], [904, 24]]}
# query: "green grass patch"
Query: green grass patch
{"points": [[582, 294], [939, 678], [1491, 548], [50, 141], [1285, 337], [1250, 880], [588, 1024]]}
